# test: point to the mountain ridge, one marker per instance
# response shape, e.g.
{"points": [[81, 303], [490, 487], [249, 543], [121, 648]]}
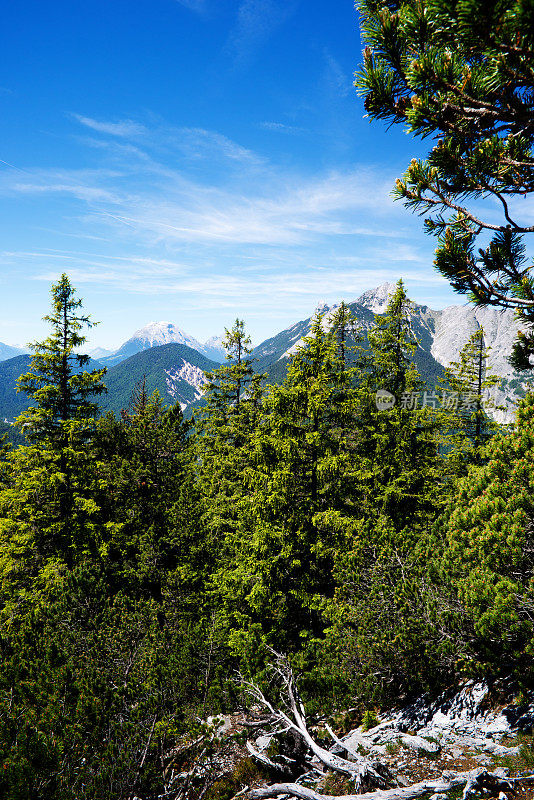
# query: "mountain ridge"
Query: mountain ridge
{"points": [[158, 334], [441, 335], [176, 369], [11, 351]]}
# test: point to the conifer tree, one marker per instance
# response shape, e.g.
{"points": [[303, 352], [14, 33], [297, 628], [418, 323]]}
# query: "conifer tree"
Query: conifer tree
{"points": [[343, 322], [469, 381], [400, 483], [223, 434], [486, 564], [395, 444], [461, 72], [62, 391], [392, 344], [146, 496], [280, 559], [102, 599], [49, 485], [228, 383]]}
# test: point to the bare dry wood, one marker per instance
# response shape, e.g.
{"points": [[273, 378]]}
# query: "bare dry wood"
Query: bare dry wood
{"points": [[476, 779], [284, 769], [363, 772]]}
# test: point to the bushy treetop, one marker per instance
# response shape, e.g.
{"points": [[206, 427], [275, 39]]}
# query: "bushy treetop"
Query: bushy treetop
{"points": [[462, 71]]}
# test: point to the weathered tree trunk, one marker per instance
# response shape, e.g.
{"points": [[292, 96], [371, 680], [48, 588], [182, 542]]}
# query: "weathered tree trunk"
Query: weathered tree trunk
{"points": [[362, 771], [371, 779], [476, 780]]}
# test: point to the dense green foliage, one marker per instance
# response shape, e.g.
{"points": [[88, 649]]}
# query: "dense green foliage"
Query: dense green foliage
{"points": [[12, 433], [145, 559], [461, 72], [150, 366], [121, 379]]}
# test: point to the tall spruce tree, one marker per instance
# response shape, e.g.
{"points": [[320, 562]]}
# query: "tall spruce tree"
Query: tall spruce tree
{"points": [[103, 647], [280, 558], [344, 324], [388, 361], [469, 382], [49, 492], [64, 393], [399, 479], [223, 433], [228, 383]]}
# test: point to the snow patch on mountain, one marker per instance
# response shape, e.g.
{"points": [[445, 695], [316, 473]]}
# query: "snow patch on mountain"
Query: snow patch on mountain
{"points": [[157, 333], [213, 348]]}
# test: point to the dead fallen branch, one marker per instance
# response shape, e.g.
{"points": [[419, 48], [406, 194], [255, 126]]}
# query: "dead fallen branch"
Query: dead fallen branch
{"points": [[476, 780], [364, 773], [283, 769]]}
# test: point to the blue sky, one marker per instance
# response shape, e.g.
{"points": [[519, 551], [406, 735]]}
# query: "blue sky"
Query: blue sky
{"points": [[194, 161]]}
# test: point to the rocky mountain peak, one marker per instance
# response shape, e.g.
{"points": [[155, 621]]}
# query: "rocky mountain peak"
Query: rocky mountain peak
{"points": [[158, 333], [376, 300], [214, 341], [322, 307]]}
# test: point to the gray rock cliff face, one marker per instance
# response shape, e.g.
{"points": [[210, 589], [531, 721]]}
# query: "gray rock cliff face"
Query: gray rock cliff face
{"points": [[441, 334]]}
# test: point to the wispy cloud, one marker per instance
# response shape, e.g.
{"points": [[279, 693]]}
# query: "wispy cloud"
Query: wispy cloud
{"points": [[190, 214], [155, 276], [91, 186], [201, 143], [124, 127], [280, 127], [256, 21], [257, 204], [279, 214], [194, 5], [338, 80]]}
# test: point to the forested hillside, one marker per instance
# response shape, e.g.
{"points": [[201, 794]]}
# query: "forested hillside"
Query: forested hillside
{"points": [[175, 371], [331, 563], [146, 561]]}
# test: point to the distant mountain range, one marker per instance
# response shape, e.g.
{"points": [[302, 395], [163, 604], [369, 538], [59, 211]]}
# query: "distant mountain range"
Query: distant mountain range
{"points": [[8, 351], [441, 335], [174, 363], [157, 334], [273, 354], [176, 371]]}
